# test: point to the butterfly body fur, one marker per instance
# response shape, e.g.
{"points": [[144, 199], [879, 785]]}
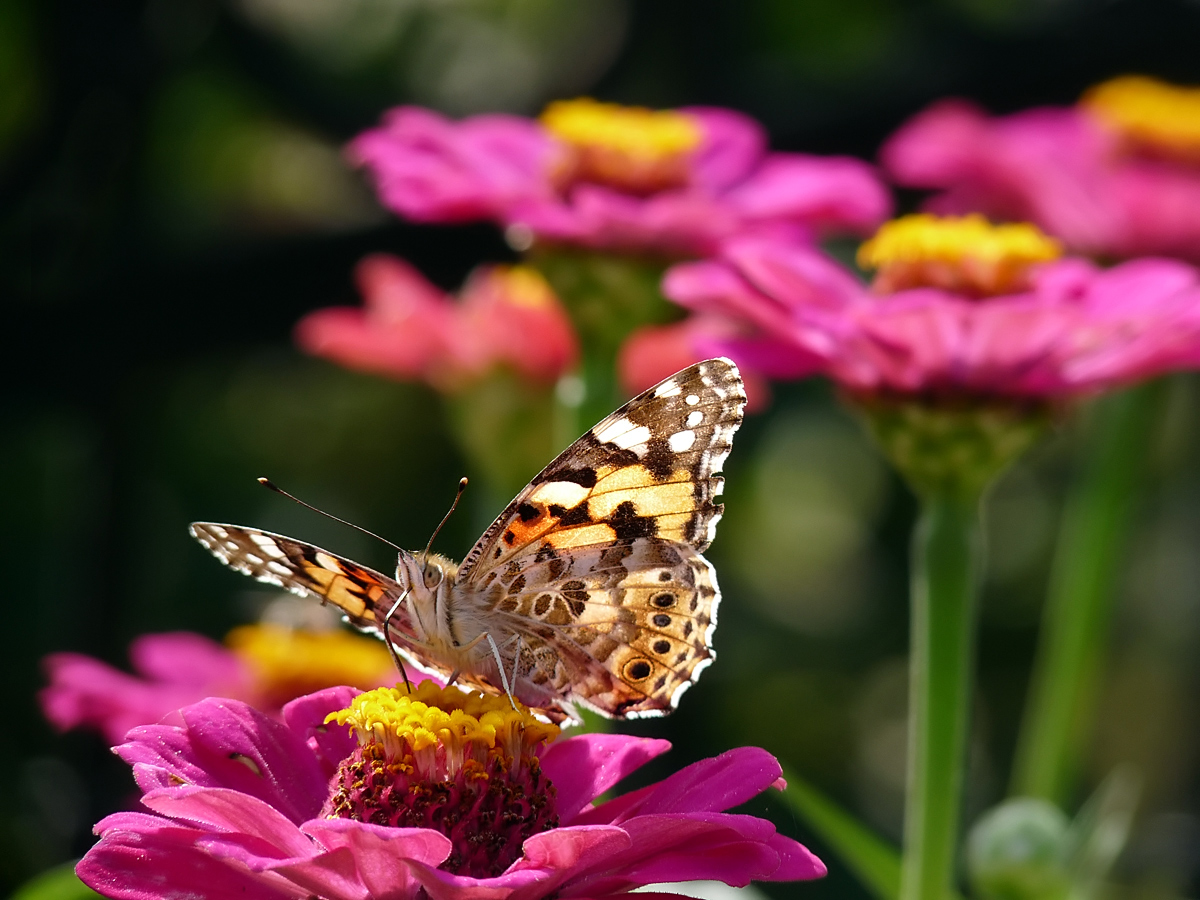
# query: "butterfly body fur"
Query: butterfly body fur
{"points": [[591, 583]]}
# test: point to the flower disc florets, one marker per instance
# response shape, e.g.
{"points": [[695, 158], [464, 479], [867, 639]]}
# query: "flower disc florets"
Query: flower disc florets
{"points": [[627, 147], [1151, 116], [463, 764], [967, 254]]}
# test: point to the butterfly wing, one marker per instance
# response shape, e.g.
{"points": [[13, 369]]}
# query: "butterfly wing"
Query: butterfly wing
{"points": [[595, 567], [364, 596]]}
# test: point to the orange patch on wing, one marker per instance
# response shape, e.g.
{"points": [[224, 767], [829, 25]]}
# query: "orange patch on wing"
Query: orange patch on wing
{"points": [[520, 534], [583, 536]]}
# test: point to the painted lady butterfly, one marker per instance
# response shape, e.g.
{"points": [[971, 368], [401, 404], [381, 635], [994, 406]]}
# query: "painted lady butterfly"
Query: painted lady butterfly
{"points": [[589, 588]]}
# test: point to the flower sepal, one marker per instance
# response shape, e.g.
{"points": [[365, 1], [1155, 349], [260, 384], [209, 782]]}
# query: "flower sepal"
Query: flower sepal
{"points": [[951, 448]]}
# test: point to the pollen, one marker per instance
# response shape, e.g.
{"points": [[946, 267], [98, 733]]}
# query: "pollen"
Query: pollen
{"points": [[967, 254], [1154, 117], [463, 764], [287, 662], [631, 148]]}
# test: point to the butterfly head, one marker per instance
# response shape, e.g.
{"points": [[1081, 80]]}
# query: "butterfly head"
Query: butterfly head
{"points": [[426, 579]]}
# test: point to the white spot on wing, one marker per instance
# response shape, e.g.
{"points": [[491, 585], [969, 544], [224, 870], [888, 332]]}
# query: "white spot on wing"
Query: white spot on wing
{"points": [[681, 441], [669, 388], [560, 493], [694, 419], [624, 434], [691, 399]]}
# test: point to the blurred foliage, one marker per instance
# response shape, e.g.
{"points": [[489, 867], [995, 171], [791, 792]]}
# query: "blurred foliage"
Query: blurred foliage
{"points": [[174, 200]]}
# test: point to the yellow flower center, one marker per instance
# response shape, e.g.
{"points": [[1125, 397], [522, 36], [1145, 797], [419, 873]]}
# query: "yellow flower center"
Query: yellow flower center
{"points": [[287, 663], [525, 286], [965, 254], [463, 764], [441, 729], [1152, 116], [627, 147]]}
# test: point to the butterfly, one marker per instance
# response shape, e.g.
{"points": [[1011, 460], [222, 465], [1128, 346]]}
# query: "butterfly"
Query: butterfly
{"points": [[589, 589]]}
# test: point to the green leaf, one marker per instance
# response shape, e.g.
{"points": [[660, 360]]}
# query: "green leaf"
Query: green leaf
{"points": [[59, 883], [873, 861]]}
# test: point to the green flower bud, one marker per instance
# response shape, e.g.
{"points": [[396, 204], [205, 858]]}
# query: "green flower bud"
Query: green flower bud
{"points": [[1018, 851]]}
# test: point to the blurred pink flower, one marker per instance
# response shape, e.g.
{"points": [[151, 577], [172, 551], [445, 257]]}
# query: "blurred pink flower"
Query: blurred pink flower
{"points": [[242, 805], [409, 329], [1074, 329], [1099, 175], [267, 665], [614, 178], [654, 352]]}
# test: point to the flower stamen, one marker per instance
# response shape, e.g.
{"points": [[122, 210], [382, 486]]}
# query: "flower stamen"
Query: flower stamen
{"points": [[1153, 117], [463, 764], [965, 254], [631, 148]]}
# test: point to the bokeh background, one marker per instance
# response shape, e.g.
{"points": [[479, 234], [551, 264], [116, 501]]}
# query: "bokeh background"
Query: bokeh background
{"points": [[173, 199]]}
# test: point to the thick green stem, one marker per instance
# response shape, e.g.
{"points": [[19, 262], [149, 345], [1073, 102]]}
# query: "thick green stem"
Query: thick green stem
{"points": [[1075, 624], [947, 556]]}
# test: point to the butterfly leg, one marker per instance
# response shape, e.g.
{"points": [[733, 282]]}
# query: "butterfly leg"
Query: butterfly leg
{"points": [[500, 669], [387, 639]]}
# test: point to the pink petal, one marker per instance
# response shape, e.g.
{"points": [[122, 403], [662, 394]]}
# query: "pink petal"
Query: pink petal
{"points": [[584, 767], [221, 809], [733, 145], [710, 785], [833, 193], [150, 864], [305, 716], [225, 743], [383, 855], [184, 657]]}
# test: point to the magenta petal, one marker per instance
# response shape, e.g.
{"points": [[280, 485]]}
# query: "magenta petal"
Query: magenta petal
{"points": [[147, 864], [85, 692], [331, 743], [225, 810], [382, 855], [584, 767], [710, 785], [183, 657], [832, 192], [225, 743], [796, 862], [733, 145], [331, 875], [682, 847]]}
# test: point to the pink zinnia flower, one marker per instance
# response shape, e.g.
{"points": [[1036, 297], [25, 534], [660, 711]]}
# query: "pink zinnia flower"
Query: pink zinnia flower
{"points": [[263, 664], [616, 178], [439, 795], [408, 329], [1116, 176], [960, 308]]}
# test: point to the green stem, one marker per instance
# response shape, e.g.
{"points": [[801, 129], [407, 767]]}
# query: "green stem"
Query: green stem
{"points": [[947, 557], [1078, 610]]}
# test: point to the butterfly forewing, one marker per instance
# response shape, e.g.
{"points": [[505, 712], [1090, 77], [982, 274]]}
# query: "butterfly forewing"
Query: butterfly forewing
{"points": [[363, 595], [599, 557]]}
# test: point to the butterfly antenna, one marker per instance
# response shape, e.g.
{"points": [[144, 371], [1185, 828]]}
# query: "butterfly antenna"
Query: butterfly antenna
{"points": [[462, 486], [267, 483]]}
